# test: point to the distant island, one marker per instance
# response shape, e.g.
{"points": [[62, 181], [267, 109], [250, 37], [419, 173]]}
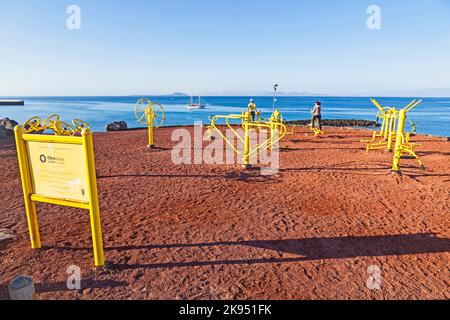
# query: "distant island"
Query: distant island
{"points": [[175, 94], [178, 94], [265, 94]]}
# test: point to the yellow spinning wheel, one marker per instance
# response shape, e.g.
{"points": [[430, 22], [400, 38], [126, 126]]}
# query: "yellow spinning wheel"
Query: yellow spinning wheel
{"points": [[53, 123], [63, 129], [79, 125], [150, 113], [33, 125], [49, 122]]}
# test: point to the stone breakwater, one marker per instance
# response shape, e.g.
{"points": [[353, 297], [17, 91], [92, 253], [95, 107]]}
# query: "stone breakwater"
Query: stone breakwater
{"points": [[337, 123]]}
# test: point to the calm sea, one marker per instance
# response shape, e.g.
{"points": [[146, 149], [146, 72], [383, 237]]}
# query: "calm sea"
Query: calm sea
{"points": [[432, 116]]}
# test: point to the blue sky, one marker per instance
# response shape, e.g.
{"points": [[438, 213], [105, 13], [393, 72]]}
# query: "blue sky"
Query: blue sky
{"points": [[212, 46]]}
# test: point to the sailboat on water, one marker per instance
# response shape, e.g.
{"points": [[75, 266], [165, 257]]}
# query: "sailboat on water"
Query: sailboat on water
{"points": [[198, 105]]}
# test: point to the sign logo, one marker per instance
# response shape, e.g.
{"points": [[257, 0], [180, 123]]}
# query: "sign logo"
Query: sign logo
{"points": [[43, 158]]}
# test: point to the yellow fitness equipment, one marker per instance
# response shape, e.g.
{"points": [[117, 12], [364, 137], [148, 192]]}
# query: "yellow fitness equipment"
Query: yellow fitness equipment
{"points": [[152, 114], [51, 172], [403, 145], [384, 139], [315, 130], [275, 126], [53, 123]]}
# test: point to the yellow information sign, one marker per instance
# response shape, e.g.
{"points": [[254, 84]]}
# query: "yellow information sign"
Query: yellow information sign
{"points": [[56, 170], [59, 170]]}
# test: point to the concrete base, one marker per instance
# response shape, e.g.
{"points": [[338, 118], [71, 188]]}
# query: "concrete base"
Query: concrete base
{"points": [[22, 288]]}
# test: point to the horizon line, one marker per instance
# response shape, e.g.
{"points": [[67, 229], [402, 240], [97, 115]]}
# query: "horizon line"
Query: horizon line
{"points": [[223, 95]]}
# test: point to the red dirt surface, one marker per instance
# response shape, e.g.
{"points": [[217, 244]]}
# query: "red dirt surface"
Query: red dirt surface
{"points": [[216, 232]]}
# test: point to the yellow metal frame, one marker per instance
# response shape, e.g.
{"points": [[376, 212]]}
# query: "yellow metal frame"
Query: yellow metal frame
{"points": [[31, 199], [317, 132], [384, 139], [403, 145], [274, 126]]}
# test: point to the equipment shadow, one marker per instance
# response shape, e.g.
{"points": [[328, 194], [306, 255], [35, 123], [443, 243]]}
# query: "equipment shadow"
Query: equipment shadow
{"points": [[309, 249], [252, 176], [357, 168], [85, 284]]}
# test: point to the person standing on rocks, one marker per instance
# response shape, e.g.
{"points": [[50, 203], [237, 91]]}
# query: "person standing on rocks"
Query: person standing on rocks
{"points": [[317, 115]]}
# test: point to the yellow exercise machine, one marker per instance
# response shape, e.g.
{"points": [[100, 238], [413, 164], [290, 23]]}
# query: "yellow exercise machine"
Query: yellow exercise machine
{"points": [[274, 126], [384, 139], [151, 114], [53, 123], [404, 149], [317, 132], [59, 169]]}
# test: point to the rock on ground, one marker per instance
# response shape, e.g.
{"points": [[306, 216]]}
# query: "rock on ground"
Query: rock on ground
{"points": [[116, 126], [7, 127]]}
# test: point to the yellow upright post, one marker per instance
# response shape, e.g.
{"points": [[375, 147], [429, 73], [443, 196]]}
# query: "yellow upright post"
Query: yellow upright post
{"points": [[247, 141], [150, 129], [388, 126], [94, 208], [392, 125], [30, 206], [400, 140], [273, 126]]}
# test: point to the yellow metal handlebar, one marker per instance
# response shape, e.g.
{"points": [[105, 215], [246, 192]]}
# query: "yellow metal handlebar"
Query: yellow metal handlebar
{"points": [[375, 102], [412, 105], [227, 121]]}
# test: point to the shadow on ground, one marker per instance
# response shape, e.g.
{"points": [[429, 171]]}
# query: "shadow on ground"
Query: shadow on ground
{"points": [[62, 287], [85, 284], [306, 249]]}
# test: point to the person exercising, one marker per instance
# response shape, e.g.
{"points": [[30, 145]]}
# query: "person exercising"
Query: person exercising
{"points": [[317, 115], [252, 109]]}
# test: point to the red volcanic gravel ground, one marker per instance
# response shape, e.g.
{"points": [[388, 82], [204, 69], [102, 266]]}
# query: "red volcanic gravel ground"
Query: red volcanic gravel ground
{"points": [[216, 232]]}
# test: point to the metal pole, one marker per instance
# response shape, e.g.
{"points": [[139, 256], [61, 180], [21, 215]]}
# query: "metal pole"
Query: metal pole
{"points": [[94, 208], [399, 143], [150, 129], [30, 206], [274, 96], [392, 126], [247, 141]]}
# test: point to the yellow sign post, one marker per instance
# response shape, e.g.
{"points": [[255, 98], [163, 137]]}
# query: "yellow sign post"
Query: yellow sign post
{"points": [[51, 172]]}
